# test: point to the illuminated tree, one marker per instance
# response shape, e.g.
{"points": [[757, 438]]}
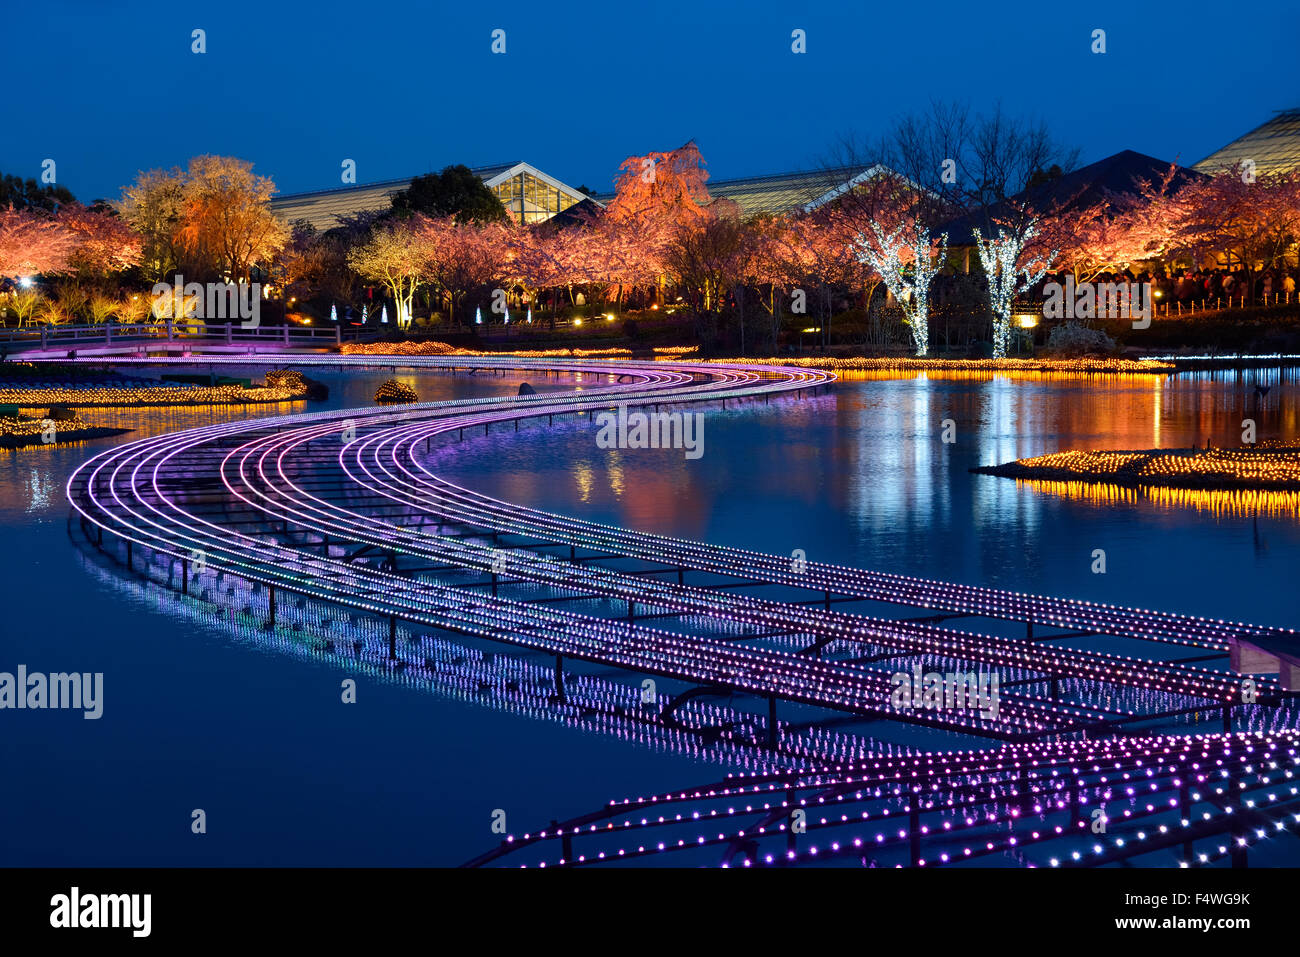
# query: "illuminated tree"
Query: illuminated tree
{"points": [[907, 263], [153, 206], [52, 312], [133, 308], [718, 258], [226, 214], [1246, 222], [661, 186], [659, 198], [101, 308], [464, 258], [105, 242], [394, 256], [314, 266], [33, 243], [537, 259], [823, 256], [1112, 233], [710, 258], [1008, 276], [775, 263], [24, 303]]}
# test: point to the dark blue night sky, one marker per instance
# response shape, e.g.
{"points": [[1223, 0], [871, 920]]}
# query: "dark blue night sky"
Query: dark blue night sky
{"points": [[404, 88]]}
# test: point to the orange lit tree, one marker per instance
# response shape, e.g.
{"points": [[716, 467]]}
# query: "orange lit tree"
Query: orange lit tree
{"points": [[34, 243]]}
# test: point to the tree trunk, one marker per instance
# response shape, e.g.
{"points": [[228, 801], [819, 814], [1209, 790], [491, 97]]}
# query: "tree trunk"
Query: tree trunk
{"points": [[740, 308]]}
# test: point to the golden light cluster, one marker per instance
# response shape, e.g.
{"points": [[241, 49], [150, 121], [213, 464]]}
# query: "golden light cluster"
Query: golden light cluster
{"points": [[1090, 463], [1271, 469], [33, 427], [109, 395], [900, 364], [985, 375], [289, 379], [394, 391], [40, 431], [423, 348]]}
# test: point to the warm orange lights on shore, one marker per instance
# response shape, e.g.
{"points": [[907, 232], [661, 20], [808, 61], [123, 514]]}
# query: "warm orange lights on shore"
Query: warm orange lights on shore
{"points": [[912, 364], [431, 348], [900, 364], [280, 387]]}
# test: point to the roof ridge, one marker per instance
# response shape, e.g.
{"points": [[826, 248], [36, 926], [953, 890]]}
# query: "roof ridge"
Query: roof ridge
{"points": [[402, 180]]}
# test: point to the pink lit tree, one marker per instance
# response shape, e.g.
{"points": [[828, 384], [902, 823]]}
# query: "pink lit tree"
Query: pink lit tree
{"points": [[105, 243], [33, 243], [1242, 220]]}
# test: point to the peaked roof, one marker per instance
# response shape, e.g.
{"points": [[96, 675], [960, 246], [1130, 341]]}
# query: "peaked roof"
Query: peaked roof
{"points": [[1117, 174], [323, 207], [1274, 146], [778, 193], [575, 215]]}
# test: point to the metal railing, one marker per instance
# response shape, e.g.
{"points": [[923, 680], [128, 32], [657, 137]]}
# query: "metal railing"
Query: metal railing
{"points": [[168, 331]]}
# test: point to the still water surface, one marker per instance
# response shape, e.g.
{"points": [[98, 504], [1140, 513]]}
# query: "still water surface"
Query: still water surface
{"points": [[196, 718]]}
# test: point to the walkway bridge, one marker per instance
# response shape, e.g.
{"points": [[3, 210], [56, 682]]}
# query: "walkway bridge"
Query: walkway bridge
{"points": [[164, 337], [347, 509]]}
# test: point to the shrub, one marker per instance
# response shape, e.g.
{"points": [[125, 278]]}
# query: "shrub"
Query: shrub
{"points": [[101, 308], [134, 308], [52, 311], [394, 391], [25, 303], [1076, 339]]}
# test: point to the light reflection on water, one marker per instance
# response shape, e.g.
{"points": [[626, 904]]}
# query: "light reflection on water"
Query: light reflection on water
{"points": [[862, 476], [859, 476]]}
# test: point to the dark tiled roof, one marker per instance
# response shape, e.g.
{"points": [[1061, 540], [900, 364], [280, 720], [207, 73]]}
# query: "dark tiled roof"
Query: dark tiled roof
{"points": [[1118, 174]]}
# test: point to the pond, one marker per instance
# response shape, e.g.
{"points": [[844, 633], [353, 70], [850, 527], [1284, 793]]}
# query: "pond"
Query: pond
{"points": [[198, 717]]}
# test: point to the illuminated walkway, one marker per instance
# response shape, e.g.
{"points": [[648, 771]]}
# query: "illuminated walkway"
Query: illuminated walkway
{"points": [[345, 507], [1189, 801]]}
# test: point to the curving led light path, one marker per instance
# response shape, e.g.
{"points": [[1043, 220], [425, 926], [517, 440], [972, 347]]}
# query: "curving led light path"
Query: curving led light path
{"points": [[1187, 801], [347, 507], [595, 704], [956, 599], [129, 491]]}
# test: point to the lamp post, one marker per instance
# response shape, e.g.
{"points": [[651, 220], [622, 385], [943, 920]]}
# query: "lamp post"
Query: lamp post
{"points": [[1028, 321]]}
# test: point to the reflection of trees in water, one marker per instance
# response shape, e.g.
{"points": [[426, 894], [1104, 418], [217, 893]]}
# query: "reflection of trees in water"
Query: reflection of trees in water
{"points": [[25, 485], [1121, 411], [40, 490], [156, 421]]}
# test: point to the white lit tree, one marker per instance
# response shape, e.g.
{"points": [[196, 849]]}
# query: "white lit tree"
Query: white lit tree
{"points": [[1008, 277], [907, 263], [394, 256]]}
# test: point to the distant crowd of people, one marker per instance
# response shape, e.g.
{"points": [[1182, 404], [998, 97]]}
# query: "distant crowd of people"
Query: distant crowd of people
{"points": [[1214, 286]]}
